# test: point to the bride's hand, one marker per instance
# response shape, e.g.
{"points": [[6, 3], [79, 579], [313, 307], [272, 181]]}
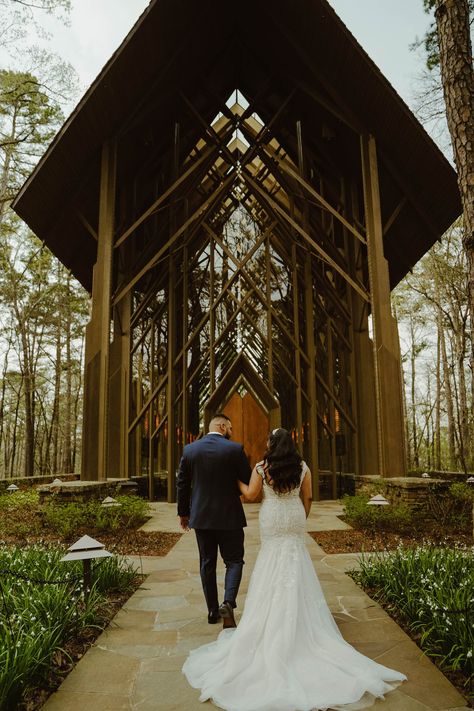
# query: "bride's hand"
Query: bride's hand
{"points": [[243, 488]]}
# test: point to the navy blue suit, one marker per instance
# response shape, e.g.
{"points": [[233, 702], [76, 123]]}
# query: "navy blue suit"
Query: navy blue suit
{"points": [[207, 492]]}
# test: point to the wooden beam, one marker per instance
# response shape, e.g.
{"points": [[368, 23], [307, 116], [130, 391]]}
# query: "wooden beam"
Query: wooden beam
{"points": [[394, 215], [154, 206], [287, 168], [87, 225], [319, 250], [199, 213]]}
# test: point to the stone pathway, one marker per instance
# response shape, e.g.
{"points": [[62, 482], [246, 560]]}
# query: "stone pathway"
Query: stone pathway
{"points": [[135, 665]]}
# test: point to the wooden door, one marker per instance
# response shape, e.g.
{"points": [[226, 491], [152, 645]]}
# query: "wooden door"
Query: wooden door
{"points": [[250, 425]]}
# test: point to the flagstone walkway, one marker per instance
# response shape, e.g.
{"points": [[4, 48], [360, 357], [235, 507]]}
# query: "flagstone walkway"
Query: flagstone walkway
{"points": [[135, 665]]}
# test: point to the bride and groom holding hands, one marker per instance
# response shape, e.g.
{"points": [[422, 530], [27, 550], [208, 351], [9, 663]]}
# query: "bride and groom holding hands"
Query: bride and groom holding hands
{"points": [[287, 653]]}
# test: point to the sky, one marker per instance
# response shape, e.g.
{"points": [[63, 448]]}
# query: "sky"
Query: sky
{"points": [[384, 28]]}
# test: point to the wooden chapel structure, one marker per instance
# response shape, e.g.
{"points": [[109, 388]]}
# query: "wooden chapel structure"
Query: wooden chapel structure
{"points": [[239, 190]]}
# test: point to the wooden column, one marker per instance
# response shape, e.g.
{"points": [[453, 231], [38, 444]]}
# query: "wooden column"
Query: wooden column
{"points": [[368, 462], [311, 374], [119, 379], [94, 439], [170, 395], [332, 418], [386, 349], [296, 333]]}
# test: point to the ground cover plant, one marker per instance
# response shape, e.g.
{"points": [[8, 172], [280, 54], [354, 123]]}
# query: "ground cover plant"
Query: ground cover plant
{"points": [[431, 590], [43, 609]]}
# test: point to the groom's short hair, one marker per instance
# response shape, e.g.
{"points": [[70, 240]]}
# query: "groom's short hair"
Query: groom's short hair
{"points": [[219, 419]]}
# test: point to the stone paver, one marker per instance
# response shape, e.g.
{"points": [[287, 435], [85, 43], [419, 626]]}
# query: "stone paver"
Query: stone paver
{"points": [[136, 663]]}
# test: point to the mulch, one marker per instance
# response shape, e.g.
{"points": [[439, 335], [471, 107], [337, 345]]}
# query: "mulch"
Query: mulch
{"points": [[359, 540], [125, 542], [130, 542]]}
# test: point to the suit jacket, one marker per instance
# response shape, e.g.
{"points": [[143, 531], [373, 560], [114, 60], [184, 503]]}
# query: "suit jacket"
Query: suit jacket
{"points": [[210, 467]]}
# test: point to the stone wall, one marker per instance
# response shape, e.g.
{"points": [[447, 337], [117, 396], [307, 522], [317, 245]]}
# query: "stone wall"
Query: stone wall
{"points": [[33, 481], [81, 491], [411, 490]]}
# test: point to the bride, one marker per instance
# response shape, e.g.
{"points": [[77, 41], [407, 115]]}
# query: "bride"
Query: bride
{"points": [[287, 653]]}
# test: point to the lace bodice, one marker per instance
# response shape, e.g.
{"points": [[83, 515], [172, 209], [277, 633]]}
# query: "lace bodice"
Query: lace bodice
{"points": [[282, 514]]}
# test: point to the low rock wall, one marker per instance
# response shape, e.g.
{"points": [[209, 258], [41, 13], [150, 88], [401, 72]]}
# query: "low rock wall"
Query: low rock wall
{"points": [[25, 482], [410, 490]]}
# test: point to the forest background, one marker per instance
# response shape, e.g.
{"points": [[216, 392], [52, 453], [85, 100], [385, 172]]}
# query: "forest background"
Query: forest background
{"points": [[43, 309]]}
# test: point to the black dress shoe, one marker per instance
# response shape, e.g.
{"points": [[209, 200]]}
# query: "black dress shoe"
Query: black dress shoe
{"points": [[213, 617], [226, 611]]}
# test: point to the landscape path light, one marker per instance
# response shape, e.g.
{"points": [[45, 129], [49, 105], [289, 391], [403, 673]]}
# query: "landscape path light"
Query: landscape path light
{"points": [[425, 475], [12, 488], [109, 501], [86, 549], [379, 501]]}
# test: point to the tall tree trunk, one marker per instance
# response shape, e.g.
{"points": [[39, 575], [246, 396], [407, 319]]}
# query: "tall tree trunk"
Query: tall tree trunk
{"points": [[457, 75], [57, 385], [14, 436], [448, 395], [437, 432], [67, 465], [29, 385], [407, 424], [416, 459], [462, 395]]}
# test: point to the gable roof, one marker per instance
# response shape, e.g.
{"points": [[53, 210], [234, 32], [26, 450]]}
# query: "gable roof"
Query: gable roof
{"points": [[198, 52]]}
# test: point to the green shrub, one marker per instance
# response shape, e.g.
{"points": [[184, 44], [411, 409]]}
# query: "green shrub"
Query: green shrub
{"points": [[396, 517], [432, 588], [69, 519], [19, 514]]}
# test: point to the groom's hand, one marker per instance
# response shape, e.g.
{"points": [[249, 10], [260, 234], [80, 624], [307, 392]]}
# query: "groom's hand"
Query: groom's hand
{"points": [[184, 522]]}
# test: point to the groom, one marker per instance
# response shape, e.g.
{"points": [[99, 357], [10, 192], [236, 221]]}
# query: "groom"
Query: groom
{"points": [[211, 466]]}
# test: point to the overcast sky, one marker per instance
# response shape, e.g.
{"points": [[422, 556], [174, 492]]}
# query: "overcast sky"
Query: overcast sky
{"points": [[385, 28]]}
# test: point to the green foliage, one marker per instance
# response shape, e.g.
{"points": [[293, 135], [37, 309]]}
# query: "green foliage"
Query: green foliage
{"points": [[449, 506], [462, 491], [432, 589], [430, 40], [21, 515], [38, 618], [396, 517], [68, 519]]}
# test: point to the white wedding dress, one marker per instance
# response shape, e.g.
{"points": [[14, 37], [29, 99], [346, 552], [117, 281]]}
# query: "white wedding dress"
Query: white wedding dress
{"points": [[287, 653]]}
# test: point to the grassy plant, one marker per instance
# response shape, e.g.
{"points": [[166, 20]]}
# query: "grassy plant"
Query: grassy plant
{"points": [[396, 517], [68, 519], [433, 589], [19, 514], [37, 616]]}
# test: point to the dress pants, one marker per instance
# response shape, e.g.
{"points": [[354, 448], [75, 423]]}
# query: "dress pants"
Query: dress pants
{"points": [[231, 546]]}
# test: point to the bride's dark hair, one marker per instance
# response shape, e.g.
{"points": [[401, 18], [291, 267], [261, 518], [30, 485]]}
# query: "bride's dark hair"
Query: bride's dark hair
{"points": [[283, 461]]}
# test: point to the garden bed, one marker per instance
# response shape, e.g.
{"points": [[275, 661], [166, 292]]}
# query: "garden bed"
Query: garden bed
{"points": [[47, 619], [428, 590], [46, 624], [424, 575], [24, 521], [360, 540]]}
